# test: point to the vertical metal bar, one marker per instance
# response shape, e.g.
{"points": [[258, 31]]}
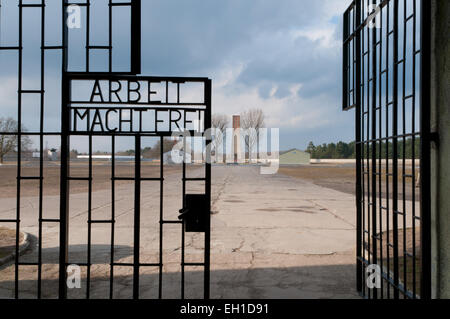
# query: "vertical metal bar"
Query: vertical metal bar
{"points": [[137, 216], [88, 31], [110, 40], [208, 101], [363, 149], [344, 63], [425, 146], [19, 149], [413, 155], [368, 152], [41, 149], [374, 149], [395, 151], [388, 196], [379, 147], [161, 214], [89, 222], [136, 36], [113, 214], [359, 246], [65, 145], [405, 260], [183, 233]]}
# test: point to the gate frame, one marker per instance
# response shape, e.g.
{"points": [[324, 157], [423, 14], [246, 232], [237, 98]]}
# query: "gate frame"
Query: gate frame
{"points": [[64, 133], [352, 70], [65, 179]]}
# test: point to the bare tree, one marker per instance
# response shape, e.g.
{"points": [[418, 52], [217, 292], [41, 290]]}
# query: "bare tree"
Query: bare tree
{"points": [[252, 121], [219, 122], [9, 143]]}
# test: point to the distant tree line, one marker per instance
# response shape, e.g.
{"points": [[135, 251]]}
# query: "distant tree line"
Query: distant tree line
{"points": [[342, 150], [153, 152]]}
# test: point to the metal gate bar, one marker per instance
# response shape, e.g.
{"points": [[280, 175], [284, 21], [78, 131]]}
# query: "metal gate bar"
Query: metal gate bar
{"points": [[65, 133], [137, 179], [373, 77]]}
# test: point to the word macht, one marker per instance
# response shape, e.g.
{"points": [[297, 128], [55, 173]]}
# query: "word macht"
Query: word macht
{"points": [[135, 120]]}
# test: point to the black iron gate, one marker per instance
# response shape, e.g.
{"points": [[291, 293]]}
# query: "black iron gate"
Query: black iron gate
{"points": [[386, 79], [112, 117]]}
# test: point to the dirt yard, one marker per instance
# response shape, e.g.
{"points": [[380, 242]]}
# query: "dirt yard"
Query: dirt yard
{"points": [[101, 177], [342, 178]]}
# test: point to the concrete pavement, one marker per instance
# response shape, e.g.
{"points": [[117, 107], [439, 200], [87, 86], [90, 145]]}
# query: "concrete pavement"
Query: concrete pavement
{"points": [[272, 237]]}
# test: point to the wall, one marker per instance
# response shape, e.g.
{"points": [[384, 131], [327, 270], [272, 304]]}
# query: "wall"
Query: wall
{"points": [[295, 157], [440, 155]]}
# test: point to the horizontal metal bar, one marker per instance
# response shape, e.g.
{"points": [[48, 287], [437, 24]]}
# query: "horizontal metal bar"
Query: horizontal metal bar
{"points": [[171, 222], [382, 139], [99, 47], [46, 220], [31, 91], [156, 105], [120, 4], [86, 179], [193, 264], [101, 221], [125, 77], [143, 134], [132, 265], [31, 5], [10, 48], [30, 133]]}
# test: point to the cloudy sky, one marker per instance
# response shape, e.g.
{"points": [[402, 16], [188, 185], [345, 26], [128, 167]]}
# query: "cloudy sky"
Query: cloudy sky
{"points": [[281, 56]]}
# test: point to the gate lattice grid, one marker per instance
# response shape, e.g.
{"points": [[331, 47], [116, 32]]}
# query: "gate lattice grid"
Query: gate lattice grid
{"points": [[85, 68], [386, 80]]}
